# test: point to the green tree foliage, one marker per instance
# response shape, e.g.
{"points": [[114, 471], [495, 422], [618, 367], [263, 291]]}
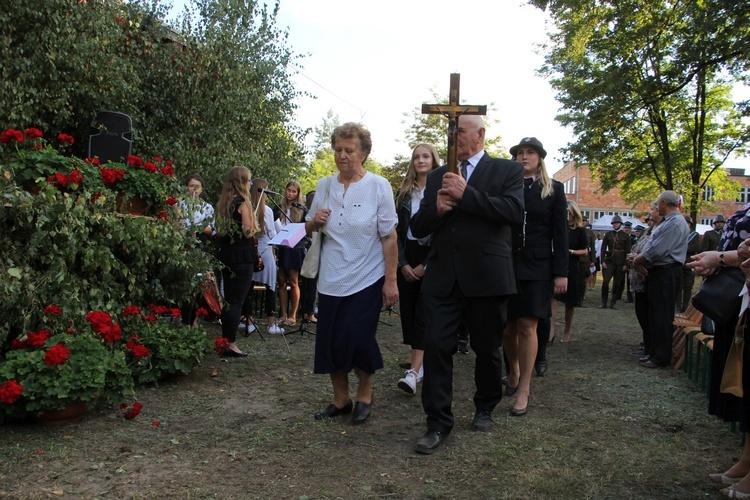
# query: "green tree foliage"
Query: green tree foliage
{"points": [[433, 129], [324, 164], [645, 87], [213, 94]]}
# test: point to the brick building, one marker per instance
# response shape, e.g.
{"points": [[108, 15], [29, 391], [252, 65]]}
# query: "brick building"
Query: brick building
{"points": [[581, 188]]}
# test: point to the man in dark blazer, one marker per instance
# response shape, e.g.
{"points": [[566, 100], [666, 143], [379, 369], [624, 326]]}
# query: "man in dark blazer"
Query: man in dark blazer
{"points": [[469, 275]]}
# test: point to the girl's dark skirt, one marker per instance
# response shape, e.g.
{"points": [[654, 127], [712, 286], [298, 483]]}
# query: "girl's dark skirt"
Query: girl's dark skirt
{"points": [[290, 258], [345, 337], [534, 298]]}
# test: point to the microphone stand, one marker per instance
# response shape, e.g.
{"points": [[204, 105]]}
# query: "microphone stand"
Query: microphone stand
{"points": [[277, 207]]}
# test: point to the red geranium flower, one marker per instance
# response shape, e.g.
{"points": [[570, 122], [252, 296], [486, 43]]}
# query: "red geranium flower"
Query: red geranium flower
{"points": [[16, 344], [75, 177], [58, 178], [158, 310], [150, 318], [171, 201], [140, 351], [93, 161], [149, 167], [10, 135], [10, 391], [168, 171], [131, 311], [53, 310], [134, 411], [111, 175], [135, 161], [33, 133], [201, 312], [163, 215], [57, 355], [37, 339], [65, 138], [98, 319], [221, 344], [157, 159]]}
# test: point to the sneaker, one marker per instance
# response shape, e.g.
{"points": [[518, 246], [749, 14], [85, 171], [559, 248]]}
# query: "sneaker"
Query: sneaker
{"points": [[243, 327], [275, 329], [420, 375], [409, 382]]}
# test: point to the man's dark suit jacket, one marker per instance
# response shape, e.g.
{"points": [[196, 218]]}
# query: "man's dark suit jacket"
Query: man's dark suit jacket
{"points": [[544, 254], [471, 246]]}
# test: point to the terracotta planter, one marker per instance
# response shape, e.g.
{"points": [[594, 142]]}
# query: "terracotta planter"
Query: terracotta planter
{"points": [[134, 205], [72, 412]]}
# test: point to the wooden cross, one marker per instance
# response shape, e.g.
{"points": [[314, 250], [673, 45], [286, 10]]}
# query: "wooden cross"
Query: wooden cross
{"points": [[452, 111]]}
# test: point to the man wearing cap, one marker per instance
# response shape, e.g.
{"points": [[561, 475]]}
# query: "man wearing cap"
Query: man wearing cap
{"points": [[712, 238], [688, 277], [615, 248]]}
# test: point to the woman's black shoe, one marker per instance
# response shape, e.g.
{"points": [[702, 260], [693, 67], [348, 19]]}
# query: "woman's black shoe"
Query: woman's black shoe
{"points": [[332, 411], [509, 391], [404, 365], [361, 412], [229, 353]]}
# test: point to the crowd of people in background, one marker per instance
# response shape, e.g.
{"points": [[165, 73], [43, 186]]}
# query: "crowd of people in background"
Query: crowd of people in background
{"points": [[479, 255]]}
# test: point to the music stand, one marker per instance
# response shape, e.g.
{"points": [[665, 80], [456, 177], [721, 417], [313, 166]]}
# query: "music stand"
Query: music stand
{"points": [[389, 310], [249, 321], [300, 331]]}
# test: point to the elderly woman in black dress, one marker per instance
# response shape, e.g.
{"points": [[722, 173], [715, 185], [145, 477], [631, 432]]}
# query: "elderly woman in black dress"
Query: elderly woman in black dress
{"points": [[357, 216]]}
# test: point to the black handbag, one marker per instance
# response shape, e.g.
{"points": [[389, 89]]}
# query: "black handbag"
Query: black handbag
{"points": [[718, 297]]}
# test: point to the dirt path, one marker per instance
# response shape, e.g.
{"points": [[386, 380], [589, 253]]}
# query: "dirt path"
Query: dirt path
{"points": [[598, 427]]}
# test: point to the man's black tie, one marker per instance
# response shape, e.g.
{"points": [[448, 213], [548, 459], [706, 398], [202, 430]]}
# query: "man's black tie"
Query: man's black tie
{"points": [[528, 182], [464, 169]]}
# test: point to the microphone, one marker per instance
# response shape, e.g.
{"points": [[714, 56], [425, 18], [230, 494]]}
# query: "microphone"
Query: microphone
{"points": [[268, 191], [300, 206]]}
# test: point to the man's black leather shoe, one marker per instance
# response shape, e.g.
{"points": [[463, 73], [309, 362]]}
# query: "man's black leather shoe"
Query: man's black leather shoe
{"points": [[430, 442], [482, 420]]}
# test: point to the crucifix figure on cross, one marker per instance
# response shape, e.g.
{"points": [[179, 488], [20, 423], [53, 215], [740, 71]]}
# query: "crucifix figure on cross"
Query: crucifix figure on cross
{"points": [[452, 111]]}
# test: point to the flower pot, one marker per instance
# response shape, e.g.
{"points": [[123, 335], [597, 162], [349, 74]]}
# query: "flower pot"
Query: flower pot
{"points": [[72, 412], [134, 205], [173, 377]]}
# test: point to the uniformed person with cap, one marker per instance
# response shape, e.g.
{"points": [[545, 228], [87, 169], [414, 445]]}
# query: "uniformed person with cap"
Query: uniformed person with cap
{"points": [[712, 238], [615, 248]]}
